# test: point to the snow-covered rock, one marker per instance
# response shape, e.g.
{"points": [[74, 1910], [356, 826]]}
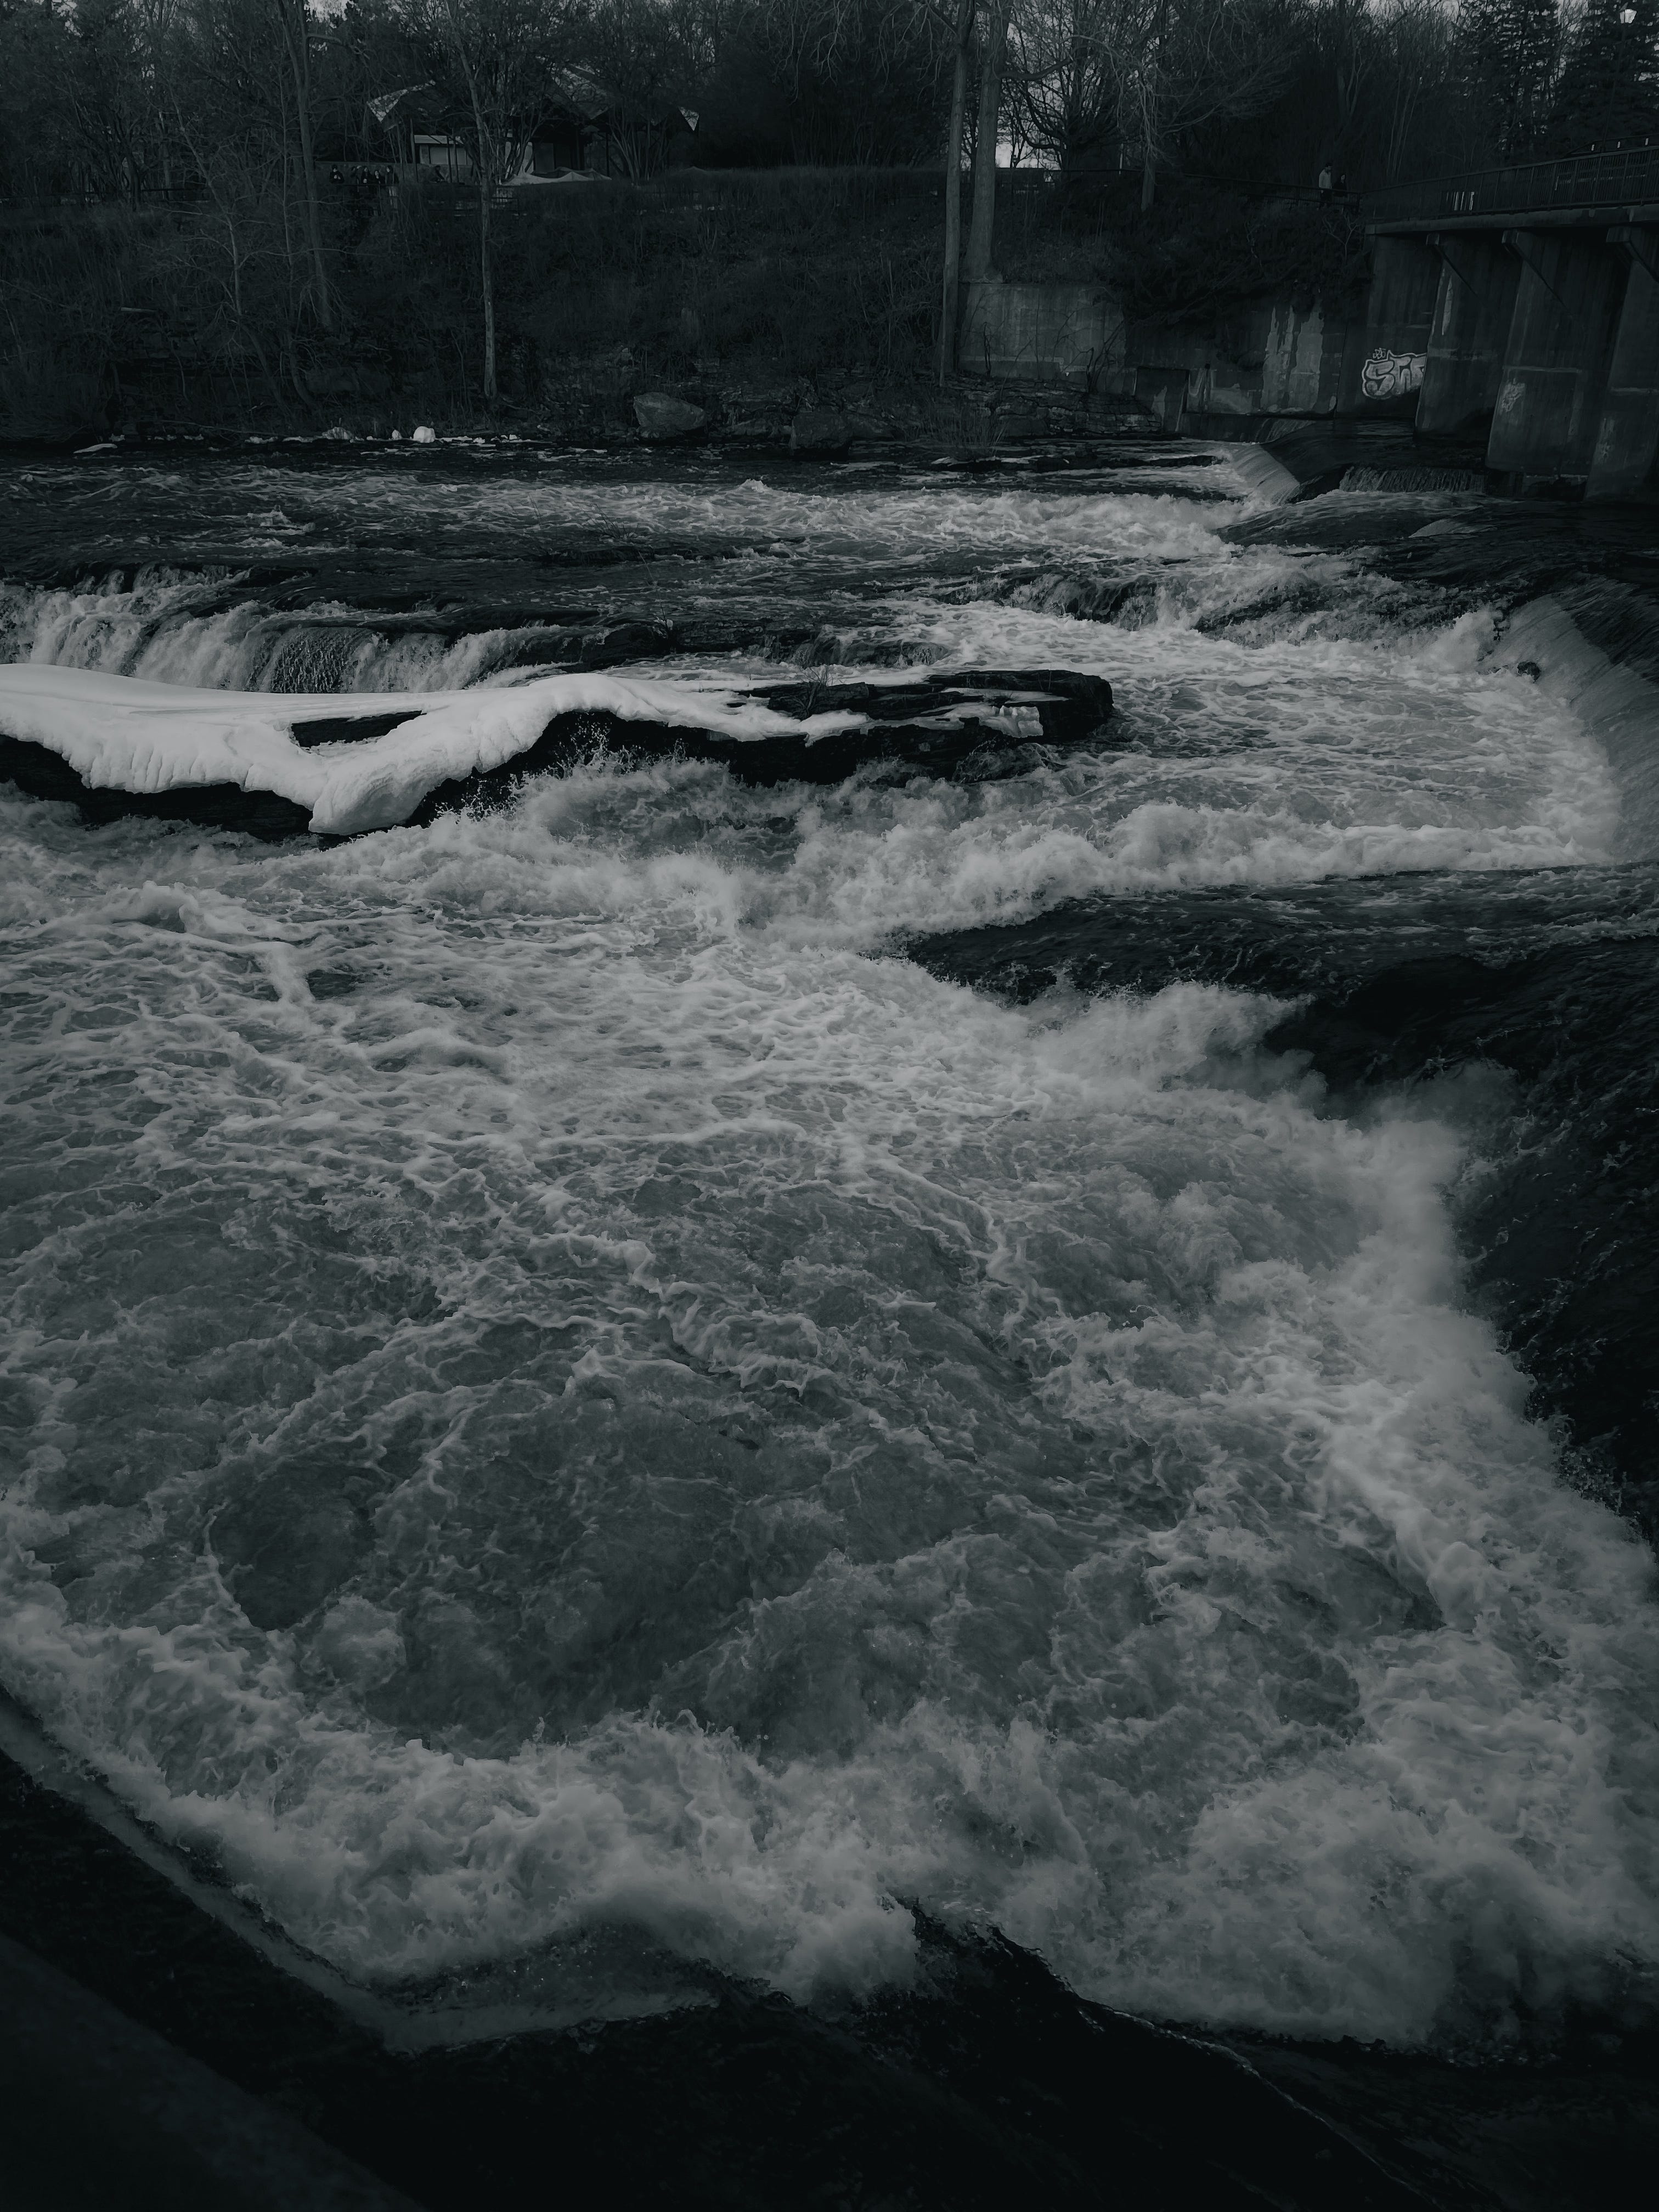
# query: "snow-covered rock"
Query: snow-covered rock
{"points": [[119, 734]]}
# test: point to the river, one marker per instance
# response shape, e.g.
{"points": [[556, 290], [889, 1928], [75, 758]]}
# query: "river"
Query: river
{"points": [[635, 1380]]}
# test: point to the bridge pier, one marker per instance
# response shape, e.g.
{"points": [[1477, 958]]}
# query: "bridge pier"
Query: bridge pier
{"points": [[1625, 464], [1473, 308], [1546, 312], [1548, 410]]}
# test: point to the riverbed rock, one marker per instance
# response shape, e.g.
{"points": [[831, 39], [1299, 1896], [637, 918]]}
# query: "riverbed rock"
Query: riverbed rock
{"points": [[661, 416], [627, 641], [820, 430], [981, 724]]}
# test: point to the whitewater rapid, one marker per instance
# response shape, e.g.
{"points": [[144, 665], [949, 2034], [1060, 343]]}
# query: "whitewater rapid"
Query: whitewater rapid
{"points": [[568, 1393]]}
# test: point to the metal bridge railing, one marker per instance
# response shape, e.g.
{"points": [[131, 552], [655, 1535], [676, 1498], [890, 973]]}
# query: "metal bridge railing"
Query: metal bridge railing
{"points": [[1619, 179]]}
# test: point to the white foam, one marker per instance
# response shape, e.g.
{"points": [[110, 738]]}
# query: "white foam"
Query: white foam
{"points": [[773, 1433], [1226, 762], [172, 629], [886, 523], [565, 1390], [1619, 705]]}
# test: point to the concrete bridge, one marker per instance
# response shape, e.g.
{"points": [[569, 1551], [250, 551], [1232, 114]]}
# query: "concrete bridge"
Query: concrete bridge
{"points": [[1526, 299], [1512, 320]]}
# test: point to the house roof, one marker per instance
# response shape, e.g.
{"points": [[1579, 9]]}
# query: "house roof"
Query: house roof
{"points": [[573, 96]]}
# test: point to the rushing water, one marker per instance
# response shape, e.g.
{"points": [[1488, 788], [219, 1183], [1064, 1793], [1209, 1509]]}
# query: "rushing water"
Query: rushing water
{"points": [[627, 1383]]}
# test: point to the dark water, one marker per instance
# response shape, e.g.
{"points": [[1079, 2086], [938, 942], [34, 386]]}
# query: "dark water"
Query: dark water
{"points": [[645, 1382]]}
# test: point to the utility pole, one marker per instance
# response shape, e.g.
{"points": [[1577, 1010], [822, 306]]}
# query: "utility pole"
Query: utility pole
{"points": [[980, 237]]}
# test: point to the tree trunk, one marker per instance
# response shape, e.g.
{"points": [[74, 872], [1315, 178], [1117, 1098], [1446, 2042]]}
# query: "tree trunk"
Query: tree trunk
{"points": [[1149, 111], [486, 272], [313, 219], [485, 159], [980, 236], [291, 13], [948, 307]]}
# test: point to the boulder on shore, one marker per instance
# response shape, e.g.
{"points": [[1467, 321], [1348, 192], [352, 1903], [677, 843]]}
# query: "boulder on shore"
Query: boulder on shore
{"points": [[660, 415], [820, 430]]}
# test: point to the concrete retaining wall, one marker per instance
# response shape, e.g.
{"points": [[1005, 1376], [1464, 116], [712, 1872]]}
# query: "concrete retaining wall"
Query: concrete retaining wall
{"points": [[1625, 463], [1545, 335], [1041, 333], [1269, 360], [1607, 691], [1265, 361]]}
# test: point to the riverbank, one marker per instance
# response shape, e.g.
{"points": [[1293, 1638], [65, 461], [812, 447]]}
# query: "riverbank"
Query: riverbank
{"points": [[827, 417], [747, 293]]}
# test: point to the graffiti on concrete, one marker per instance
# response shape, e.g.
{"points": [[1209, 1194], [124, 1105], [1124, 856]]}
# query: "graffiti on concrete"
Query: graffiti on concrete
{"points": [[1390, 375]]}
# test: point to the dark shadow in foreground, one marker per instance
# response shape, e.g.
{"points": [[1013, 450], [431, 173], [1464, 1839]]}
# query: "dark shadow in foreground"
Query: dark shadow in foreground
{"points": [[987, 2084]]}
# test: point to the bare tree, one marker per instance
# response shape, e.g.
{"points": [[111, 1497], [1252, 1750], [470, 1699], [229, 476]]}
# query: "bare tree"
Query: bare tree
{"points": [[1144, 71], [1418, 35], [1200, 60], [293, 22], [1066, 72], [496, 62], [236, 76], [647, 56], [885, 43], [862, 77], [157, 23], [101, 95], [887, 39]]}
